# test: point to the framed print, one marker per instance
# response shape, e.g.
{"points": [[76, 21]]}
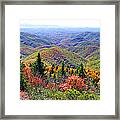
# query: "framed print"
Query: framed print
{"points": [[60, 60]]}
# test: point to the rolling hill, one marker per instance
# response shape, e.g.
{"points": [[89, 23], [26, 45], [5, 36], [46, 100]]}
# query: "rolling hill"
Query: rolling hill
{"points": [[56, 55], [32, 40], [71, 45]]}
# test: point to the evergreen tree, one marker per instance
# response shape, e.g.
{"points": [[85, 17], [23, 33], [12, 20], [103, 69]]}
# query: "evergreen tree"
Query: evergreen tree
{"points": [[81, 72], [22, 65], [63, 65], [77, 70], [40, 66], [52, 70]]}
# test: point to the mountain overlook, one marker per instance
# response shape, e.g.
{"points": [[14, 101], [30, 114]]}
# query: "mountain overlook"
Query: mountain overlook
{"points": [[72, 45], [59, 63]]}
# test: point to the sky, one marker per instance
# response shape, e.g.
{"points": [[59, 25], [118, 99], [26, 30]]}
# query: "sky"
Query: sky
{"points": [[60, 23]]}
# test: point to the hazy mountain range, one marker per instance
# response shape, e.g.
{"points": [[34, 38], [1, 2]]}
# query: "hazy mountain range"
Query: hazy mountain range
{"points": [[73, 45]]}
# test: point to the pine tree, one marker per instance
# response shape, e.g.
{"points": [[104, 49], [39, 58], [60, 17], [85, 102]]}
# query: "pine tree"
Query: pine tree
{"points": [[40, 66], [81, 72], [22, 65], [63, 72], [52, 70]]}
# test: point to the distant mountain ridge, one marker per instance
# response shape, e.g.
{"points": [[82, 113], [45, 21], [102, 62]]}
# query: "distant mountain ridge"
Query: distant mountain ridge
{"points": [[82, 43], [36, 40]]}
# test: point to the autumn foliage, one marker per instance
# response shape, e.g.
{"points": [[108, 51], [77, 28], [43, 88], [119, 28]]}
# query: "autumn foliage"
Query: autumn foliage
{"points": [[55, 82]]}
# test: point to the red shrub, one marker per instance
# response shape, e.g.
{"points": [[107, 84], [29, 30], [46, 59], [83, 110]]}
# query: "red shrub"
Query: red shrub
{"points": [[72, 82]]}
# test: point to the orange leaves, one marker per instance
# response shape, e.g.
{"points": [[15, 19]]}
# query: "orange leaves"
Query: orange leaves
{"points": [[76, 81], [36, 80], [33, 80], [72, 82], [51, 86], [27, 71], [64, 86], [93, 74], [48, 69], [24, 95]]}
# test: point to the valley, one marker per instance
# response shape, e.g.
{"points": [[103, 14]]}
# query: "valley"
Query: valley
{"points": [[59, 63]]}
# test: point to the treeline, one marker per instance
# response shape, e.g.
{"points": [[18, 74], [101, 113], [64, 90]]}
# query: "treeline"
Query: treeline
{"points": [[40, 69]]}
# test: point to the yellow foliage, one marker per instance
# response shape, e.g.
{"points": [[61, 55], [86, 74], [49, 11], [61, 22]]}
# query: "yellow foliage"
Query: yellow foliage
{"points": [[71, 69], [93, 74]]}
